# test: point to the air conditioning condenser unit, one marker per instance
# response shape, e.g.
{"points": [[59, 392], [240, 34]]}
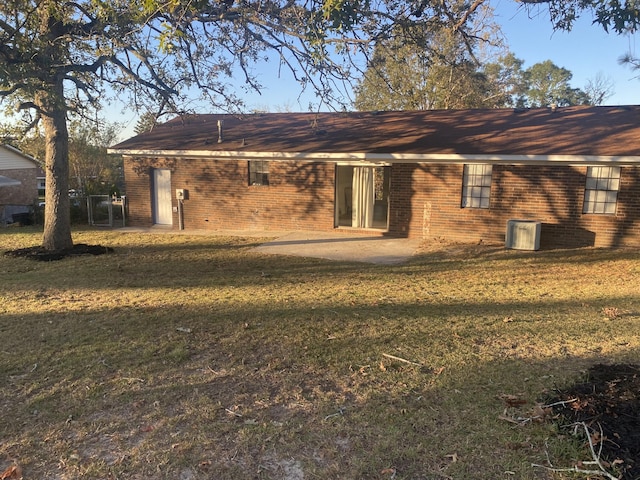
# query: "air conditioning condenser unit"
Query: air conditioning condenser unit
{"points": [[523, 234]]}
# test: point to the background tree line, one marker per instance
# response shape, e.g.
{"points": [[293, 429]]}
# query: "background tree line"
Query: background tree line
{"points": [[418, 68]]}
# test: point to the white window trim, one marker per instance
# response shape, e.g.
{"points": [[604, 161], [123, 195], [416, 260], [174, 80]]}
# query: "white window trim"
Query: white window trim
{"points": [[476, 186], [262, 170], [601, 190]]}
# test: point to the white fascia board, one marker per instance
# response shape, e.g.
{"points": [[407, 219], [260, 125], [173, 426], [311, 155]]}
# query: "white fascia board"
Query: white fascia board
{"points": [[390, 158]]}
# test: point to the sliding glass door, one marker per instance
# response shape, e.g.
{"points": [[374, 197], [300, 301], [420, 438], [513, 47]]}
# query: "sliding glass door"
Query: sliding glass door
{"points": [[362, 196]]}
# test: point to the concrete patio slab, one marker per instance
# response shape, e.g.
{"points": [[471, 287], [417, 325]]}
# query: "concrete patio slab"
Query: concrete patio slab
{"points": [[331, 246], [360, 248]]}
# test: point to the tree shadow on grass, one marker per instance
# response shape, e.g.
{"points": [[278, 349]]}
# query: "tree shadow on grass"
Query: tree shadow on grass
{"points": [[232, 398]]}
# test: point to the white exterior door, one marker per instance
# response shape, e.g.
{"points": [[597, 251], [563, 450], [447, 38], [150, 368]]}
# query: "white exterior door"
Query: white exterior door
{"points": [[162, 213]]}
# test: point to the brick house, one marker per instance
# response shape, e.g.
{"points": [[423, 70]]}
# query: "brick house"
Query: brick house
{"points": [[456, 174], [18, 183]]}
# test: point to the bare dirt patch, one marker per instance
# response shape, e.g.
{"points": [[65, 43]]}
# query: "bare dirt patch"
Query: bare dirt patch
{"points": [[607, 400]]}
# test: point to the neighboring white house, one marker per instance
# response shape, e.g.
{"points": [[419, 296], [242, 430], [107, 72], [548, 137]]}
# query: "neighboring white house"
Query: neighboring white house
{"points": [[18, 184]]}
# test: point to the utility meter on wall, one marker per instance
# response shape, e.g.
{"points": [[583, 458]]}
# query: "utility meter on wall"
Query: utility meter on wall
{"points": [[180, 193]]}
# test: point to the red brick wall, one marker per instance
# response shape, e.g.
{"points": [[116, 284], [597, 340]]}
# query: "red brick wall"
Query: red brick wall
{"points": [[299, 195], [137, 177], [425, 201], [427, 204], [25, 194]]}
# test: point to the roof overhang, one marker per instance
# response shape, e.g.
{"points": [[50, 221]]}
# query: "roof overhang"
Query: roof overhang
{"points": [[388, 158], [9, 182]]}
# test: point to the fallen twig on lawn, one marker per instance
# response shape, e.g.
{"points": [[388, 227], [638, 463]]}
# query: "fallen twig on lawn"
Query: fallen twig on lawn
{"points": [[596, 460], [563, 402], [337, 414], [13, 472], [539, 414], [517, 420], [132, 379], [399, 359]]}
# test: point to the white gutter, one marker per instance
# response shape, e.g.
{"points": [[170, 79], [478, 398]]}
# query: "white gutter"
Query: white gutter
{"points": [[387, 158]]}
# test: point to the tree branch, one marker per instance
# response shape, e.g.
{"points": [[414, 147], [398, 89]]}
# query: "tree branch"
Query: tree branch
{"points": [[467, 14], [14, 88], [161, 87], [602, 472]]}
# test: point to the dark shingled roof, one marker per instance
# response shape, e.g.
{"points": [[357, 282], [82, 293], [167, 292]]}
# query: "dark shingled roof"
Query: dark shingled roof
{"points": [[599, 131]]}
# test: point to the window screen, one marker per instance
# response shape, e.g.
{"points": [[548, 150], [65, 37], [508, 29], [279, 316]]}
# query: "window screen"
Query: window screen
{"points": [[601, 190], [258, 172], [476, 186]]}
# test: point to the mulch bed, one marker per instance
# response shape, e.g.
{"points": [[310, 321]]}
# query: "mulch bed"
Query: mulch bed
{"points": [[41, 254], [609, 399]]}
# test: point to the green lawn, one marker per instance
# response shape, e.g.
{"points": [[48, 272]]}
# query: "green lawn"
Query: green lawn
{"points": [[193, 357]]}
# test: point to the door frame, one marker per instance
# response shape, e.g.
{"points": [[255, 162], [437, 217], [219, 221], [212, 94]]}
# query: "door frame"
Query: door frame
{"points": [[347, 191], [161, 198]]}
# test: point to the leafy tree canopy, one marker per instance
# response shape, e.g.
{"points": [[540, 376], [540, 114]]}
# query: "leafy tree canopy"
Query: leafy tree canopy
{"points": [[429, 66], [548, 84], [611, 15], [412, 77]]}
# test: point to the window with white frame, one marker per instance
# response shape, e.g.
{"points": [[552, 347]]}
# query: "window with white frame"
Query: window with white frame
{"points": [[601, 190], [476, 186], [258, 172]]}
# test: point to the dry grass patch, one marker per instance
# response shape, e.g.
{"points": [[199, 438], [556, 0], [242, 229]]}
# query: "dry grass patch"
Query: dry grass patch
{"points": [[195, 357]]}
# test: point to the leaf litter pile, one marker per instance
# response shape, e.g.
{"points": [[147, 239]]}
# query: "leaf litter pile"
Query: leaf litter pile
{"points": [[607, 404]]}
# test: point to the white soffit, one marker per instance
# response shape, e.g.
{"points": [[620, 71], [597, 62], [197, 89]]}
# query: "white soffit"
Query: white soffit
{"points": [[389, 158]]}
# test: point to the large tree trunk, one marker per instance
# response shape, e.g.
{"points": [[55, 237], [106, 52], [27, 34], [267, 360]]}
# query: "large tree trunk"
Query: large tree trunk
{"points": [[57, 215], [52, 108]]}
